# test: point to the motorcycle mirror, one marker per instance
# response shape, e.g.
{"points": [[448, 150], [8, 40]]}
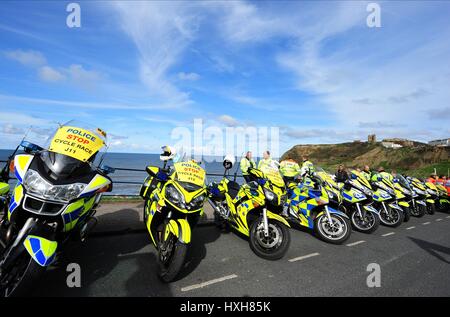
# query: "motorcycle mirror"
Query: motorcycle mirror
{"points": [[107, 169]]}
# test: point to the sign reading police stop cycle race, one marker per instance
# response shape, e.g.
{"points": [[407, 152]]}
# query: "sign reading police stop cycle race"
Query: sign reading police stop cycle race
{"points": [[75, 142]]}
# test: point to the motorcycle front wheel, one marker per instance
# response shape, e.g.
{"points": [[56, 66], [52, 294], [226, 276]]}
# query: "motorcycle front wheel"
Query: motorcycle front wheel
{"points": [[431, 209], [406, 214], [367, 224], [392, 218], [171, 256], [418, 210], [275, 245], [336, 233], [18, 280]]}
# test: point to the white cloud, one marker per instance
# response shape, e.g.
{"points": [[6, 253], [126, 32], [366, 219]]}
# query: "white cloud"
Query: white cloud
{"points": [[9, 128], [82, 77], [49, 74], [228, 120], [161, 32], [27, 58], [188, 76]]}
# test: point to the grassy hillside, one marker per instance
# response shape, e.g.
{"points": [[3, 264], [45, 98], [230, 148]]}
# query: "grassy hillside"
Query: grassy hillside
{"points": [[419, 160]]}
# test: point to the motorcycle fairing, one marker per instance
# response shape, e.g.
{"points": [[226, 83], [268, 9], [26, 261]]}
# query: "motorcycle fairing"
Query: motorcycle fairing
{"points": [[75, 211], [16, 199], [180, 228], [42, 251], [96, 184], [21, 164]]}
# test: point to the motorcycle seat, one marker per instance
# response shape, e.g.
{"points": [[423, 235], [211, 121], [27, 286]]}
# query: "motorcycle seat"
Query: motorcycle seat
{"points": [[233, 188]]}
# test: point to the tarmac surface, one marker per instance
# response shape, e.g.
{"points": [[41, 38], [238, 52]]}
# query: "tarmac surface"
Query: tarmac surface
{"points": [[118, 260]]}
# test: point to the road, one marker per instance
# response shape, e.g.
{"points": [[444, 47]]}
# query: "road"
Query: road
{"points": [[414, 261]]}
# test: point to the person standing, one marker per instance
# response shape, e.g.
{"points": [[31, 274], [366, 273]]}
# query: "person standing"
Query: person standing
{"points": [[307, 166], [366, 172], [289, 169], [341, 174], [246, 163], [266, 161]]}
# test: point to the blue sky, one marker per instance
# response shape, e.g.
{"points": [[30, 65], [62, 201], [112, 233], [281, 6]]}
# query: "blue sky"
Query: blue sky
{"points": [[313, 69]]}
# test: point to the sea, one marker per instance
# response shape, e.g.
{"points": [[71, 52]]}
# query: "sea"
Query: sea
{"points": [[129, 182]]}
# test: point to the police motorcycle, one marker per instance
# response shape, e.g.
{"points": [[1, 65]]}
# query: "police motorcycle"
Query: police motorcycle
{"points": [[443, 204], [253, 209], [174, 202], [405, 196], [385, 200], [420, 197], [54, 201], [314, 204], [357, 203], [432, 197]]}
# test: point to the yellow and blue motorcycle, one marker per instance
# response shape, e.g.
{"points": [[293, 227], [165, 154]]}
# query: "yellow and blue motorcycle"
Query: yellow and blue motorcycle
{"points": [[385, 200], [432, 197], [443, 204], [174, 199], [420, 197], [357, 203], [310, 206], [54, 200], [253, 209]]}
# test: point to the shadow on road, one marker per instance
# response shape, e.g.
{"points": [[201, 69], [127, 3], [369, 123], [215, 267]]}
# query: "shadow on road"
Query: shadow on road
{"points": [[432, 248], [197, 250], [111, 265]]}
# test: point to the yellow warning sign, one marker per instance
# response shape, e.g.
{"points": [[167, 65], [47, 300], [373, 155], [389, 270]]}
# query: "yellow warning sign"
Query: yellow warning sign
{"points": [[190, 172], [76, 142]]}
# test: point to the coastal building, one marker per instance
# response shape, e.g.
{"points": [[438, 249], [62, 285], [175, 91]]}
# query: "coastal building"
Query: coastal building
{"points": [[442, 142]]}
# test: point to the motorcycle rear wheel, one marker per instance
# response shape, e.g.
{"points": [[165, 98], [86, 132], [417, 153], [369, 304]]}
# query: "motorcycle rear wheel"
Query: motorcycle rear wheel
{"points": [[406, 214]]}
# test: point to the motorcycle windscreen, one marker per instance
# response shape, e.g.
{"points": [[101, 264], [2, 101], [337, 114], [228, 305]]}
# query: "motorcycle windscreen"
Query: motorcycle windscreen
{"points": [[273, 175], [190, 172], [77, 142]]}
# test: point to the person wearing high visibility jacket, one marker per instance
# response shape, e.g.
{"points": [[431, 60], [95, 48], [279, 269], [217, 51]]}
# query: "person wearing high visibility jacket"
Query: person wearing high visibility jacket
{"points": [[289, 169], [383, 174], [307, 167], [267, 161], [367, 173], [246, 163]]}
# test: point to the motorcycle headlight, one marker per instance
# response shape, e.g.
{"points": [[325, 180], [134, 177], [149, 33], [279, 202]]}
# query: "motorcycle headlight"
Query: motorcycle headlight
{"points": [[269, 194], [174, 195], [35, 184], [197, 202]]}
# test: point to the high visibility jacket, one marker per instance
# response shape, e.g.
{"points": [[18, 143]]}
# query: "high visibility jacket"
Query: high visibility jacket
{"points": [[289, 168], [246, 164], [266, 162], [367, 175], [307, 168], [385, 175]]}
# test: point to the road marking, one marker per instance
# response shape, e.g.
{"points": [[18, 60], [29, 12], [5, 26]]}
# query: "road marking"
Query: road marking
{"points": [[200, 285], [303, 257], [439, 219], [388, 234], [426, 223], [355, 243], [409, 228]]}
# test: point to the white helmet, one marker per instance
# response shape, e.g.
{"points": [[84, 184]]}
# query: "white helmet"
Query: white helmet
{"points": [[228, 161], [168, 153]]}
